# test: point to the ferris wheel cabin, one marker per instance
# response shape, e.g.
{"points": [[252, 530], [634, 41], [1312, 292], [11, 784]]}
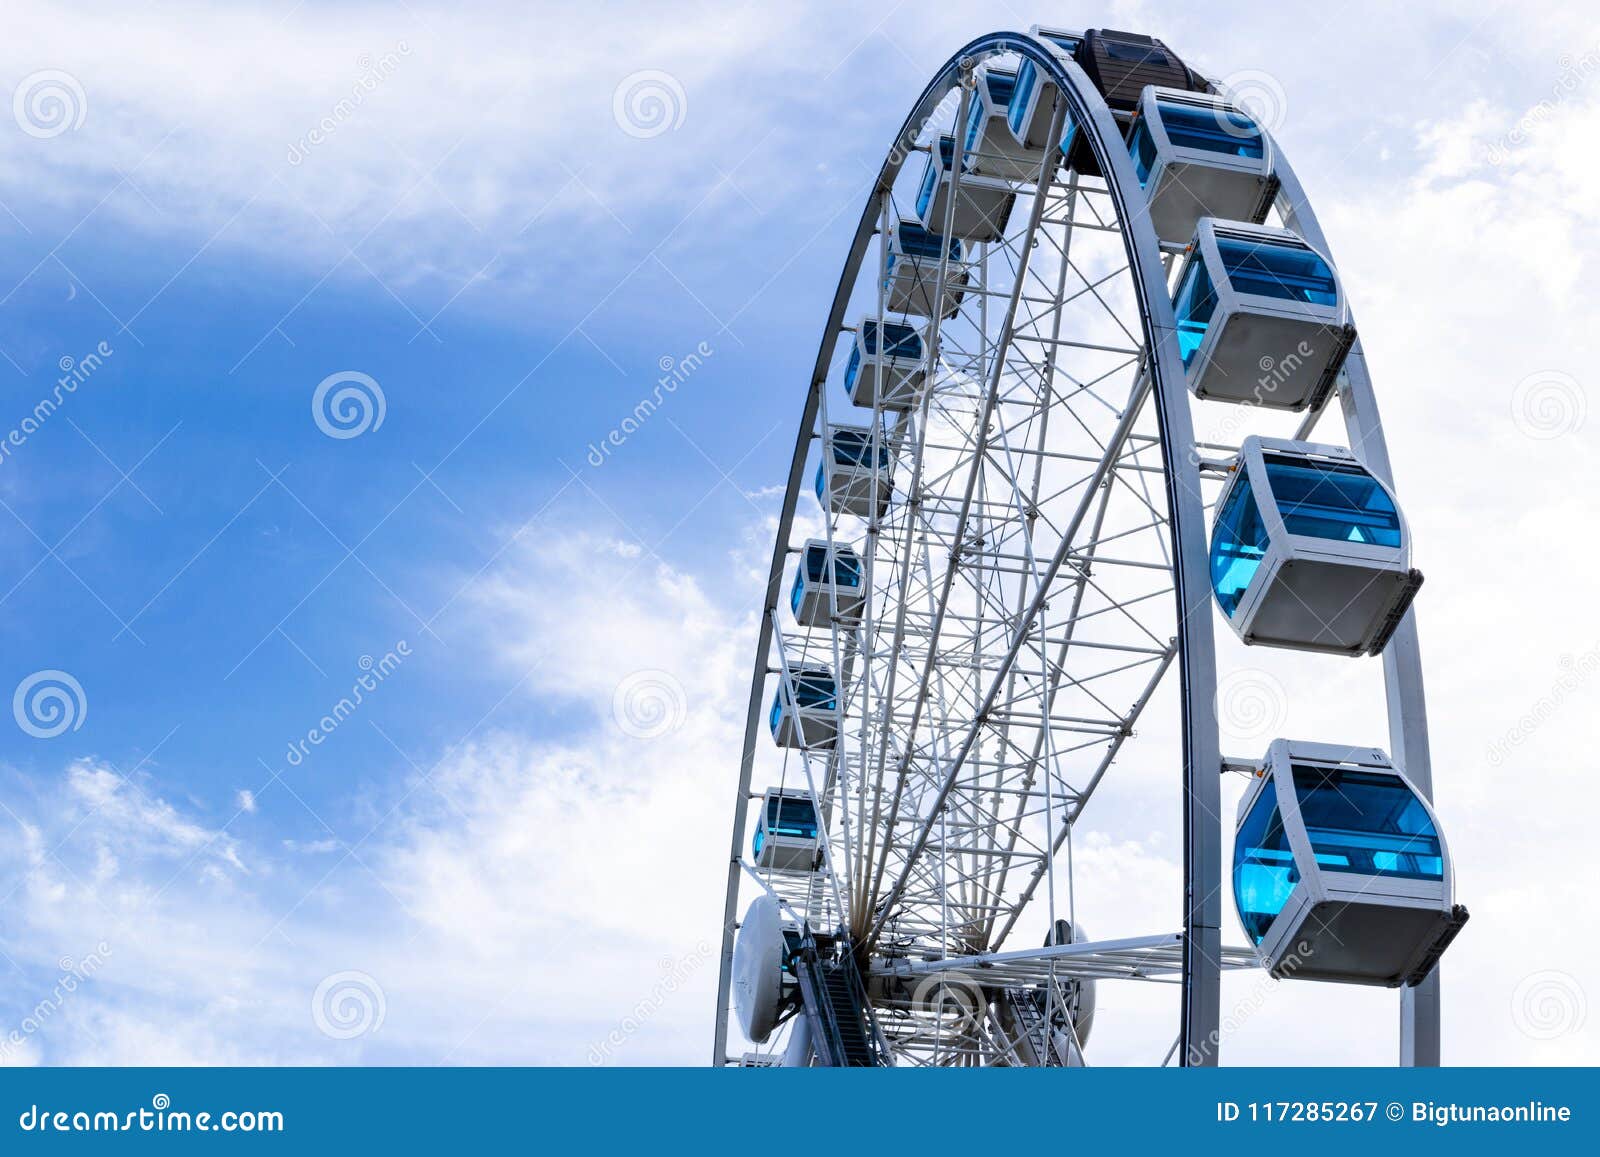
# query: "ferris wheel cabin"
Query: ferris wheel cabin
{"points": [[810, 717], [982, 205], [911, 271], [854, 475], [1261, 317], [989, 143], [1122, 65], [1339, 869], [787, 835], [887, 373], [1033, 97], [1309, 550], [1198, 156], [825, 585]]}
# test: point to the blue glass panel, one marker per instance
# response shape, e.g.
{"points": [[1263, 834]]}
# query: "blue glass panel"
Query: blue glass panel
{"points": [[853, 447], [846, 566], [1272, 269], [1238, 544], [930, 181], [1367, 822], [851, 369], [901, 340], [975, 119], [1264, 874], [1340, 501], [797, 591], [1017, 111], [1068, 136], [1194, 303], [1001, 86], [773, 716], [1214, 129], [1068, 44], [1121, 50], [1143, 147], [789, 816], [915, 241]]}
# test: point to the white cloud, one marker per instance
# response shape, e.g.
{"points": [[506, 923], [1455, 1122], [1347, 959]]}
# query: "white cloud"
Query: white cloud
{"points": [[521, 904]]}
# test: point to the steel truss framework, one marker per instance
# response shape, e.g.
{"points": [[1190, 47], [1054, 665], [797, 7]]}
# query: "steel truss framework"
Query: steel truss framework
{"points": [[1041, 569]]}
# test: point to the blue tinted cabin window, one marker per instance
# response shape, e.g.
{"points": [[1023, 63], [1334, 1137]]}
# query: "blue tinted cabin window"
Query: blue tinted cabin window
{"points": [[1238, 545], [930, 182], [1339, 501], [797, 592], [788, 816], [915, 241], [1067, 44], [1264, 874], [846, 566], [1194, 303], [1214, 129], [975, 119], [1367, 822], [1068, 135], [1126, 53], [900, 341], [1001, 86], [854, 448], [1271, 269], [811, 689], [1021, 93], [1143, 147], [852, 368]]}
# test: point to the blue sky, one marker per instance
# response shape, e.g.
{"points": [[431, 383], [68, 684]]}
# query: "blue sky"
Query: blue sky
{"points": [[483, 238]]}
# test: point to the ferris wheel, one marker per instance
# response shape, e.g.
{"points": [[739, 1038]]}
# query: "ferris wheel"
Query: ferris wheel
{"points": [[1002, 538]]}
